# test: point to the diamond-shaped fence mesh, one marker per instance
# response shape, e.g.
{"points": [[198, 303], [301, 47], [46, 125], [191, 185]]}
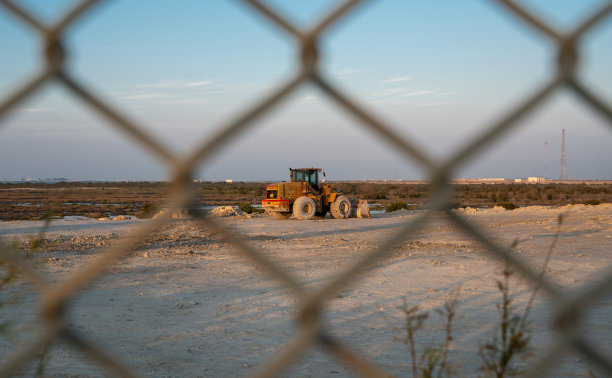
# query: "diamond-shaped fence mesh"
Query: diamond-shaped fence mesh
{"points": [[309, 304]]}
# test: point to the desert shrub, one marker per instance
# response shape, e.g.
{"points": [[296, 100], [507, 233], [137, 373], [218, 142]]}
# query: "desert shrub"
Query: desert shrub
{"points": [[147, 210], [249, 209], [376, 196], [350, 189], [394, 206], [497, 354], [94, 214], [433, 360], [246, 207], [592, 202], [507, 205]]}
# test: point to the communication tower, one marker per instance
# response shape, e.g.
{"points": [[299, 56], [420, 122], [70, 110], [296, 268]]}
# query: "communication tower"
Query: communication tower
{"points": [[545, 159], [563, 166]]}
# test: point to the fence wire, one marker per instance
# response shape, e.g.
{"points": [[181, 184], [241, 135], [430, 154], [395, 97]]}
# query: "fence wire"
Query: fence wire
{"points": [[309, 305]]}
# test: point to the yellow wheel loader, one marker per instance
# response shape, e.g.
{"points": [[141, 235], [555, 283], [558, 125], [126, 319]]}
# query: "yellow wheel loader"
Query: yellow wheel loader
{"points": [[305, 197]]}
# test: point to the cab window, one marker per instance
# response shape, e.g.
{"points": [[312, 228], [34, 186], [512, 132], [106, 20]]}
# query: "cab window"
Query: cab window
{"points": [[313, 178], [300, 175]]}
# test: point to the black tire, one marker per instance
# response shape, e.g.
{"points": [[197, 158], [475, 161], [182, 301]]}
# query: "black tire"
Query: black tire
{"points": [[341, 208], [304, 208], [280, 216]]}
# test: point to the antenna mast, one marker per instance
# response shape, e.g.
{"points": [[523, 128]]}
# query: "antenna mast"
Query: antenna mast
{"points": [[545, 160], [563, 167]]}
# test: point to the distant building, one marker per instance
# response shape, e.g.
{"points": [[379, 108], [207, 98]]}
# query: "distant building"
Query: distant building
{"points": [[519, 180], [536, 179], [229, 181]]}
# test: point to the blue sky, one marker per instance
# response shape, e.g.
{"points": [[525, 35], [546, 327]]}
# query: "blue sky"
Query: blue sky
{"points": [[439, 72]]}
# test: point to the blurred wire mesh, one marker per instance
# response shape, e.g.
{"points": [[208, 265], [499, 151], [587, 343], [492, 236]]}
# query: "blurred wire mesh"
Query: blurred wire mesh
{"points": [[309, 304]]}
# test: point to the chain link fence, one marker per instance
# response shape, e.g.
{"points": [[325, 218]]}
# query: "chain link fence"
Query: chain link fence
{"points": [[309, 304]]}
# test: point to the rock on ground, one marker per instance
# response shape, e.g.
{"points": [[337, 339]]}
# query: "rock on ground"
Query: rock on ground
{"points": [[359, 208], [227, 211]]}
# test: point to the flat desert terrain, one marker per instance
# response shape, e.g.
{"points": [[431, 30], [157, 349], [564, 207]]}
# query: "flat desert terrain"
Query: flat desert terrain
{"points": [[186, 304]]}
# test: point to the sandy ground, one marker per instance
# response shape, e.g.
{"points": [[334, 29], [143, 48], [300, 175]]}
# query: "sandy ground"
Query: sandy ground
{"points": [[186, 304]]}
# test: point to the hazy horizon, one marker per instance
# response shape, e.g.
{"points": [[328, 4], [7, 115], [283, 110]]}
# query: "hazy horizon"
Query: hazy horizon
{"points": [[440, 73]]}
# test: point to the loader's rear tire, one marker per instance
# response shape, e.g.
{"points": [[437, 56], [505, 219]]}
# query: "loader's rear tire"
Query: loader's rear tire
{"points": [[280, 216], [304, 208], [341, 208]]}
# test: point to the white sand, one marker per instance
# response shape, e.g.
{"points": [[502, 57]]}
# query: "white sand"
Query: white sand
{"points": [[188, 305]]}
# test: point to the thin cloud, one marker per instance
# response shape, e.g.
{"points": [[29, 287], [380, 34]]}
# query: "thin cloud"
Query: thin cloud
{"points": [[348, 71], [432, 104], [309, 98], [398, 79], [161, 84], [417, 93], [183, 101], [146, 96], [392, 91], [32, 110], [175, 84], [196, 84]]}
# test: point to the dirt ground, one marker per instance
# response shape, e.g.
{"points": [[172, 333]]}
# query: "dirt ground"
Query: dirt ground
{"points": [[186, 304]]}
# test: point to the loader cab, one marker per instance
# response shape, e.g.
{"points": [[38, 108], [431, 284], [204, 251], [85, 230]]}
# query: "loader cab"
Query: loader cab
{"points": [[308, 175]]}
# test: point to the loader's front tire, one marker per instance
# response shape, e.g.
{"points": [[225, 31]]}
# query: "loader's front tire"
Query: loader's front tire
{"points": [[304, 208], [280, 216], [341, 208]]}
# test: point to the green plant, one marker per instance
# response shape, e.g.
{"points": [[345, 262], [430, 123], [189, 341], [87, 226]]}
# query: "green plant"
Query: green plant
{"points": [[6, 278], [394, 206], [147, 210], [376, 196], [513, 338], [414, 322], [249, 209], [592, 202], [498, 353], [433, 360], [6, 326], [246, 207], [507, 205], [448, 314]]}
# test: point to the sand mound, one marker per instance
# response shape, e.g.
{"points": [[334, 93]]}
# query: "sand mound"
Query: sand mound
{"points": [[466, 210], [227, 211], [172, 213], [532, 208]]}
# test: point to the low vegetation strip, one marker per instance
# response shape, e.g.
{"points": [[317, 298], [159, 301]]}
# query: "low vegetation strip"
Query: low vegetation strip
{"points": [[32, 201]]}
